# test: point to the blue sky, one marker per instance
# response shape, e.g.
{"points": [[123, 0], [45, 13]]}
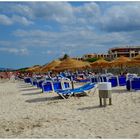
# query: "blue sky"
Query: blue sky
{"points": [[39, 32]]}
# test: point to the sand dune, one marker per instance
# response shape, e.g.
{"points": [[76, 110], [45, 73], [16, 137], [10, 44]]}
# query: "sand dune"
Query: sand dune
{"points": [[25, 112]]}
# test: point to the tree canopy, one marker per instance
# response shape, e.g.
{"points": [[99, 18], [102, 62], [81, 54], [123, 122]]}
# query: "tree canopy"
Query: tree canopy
{"points": [[64, 57], [92, 59]]}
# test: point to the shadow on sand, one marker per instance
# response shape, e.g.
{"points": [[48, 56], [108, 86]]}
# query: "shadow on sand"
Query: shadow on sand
{"points": [[91, 107], [29, 89], [22, 86], [120, 91], [43, 99], [32, 93]]}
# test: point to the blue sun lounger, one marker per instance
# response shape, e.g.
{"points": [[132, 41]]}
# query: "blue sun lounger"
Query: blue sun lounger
{"points": [[39, 83], [133, 84], [83, 90], [122, 80], [50, 86], [27, 80]]}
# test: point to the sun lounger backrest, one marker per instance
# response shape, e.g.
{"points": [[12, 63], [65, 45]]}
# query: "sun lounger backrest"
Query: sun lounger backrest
{"points": [[102, 78], [47, 86], [39, 83], [34, 82], [122, 80], [95, 79], [66, 84], [57, 85], [27, 80], [114, 81], [133, 84]]}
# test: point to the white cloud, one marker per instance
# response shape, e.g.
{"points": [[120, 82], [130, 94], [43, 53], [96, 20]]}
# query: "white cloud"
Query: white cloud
{"points": [[4, 43], [117, 16], [5, 20], [89, 12], [61, 12], [21, 20], [21, 51], [31, 33], [78, 32], [22, 9], [57, 11], [71, 42], [75, 41], [124, 17], [48, 52]]}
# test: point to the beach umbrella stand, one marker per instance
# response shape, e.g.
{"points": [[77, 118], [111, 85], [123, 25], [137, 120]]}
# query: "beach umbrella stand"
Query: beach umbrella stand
{"points": [[72, 82]]}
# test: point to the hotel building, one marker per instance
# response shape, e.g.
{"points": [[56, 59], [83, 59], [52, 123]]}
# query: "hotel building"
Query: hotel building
{"points": [[114, 53], [124, 51]]}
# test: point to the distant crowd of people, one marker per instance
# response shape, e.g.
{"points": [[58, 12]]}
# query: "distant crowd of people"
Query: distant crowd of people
{"points": [[5, 75], [22, 75]]}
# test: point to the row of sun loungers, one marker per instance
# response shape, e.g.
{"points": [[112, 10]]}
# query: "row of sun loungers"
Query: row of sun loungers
{"points": [[63, 87], [115, 80]]}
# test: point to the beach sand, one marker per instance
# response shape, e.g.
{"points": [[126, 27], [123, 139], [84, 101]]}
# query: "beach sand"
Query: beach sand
{"points": [[25, 112]]}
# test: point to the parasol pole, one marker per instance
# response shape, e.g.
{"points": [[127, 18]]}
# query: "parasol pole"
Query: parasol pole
{"points": [[72, 82]]}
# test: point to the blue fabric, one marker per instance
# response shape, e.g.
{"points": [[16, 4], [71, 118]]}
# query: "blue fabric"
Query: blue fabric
{"points": [[47, 86], [62, 74], [104, 79], [57, 85], [133, 84], [77, 90], [34, 83], [113, 81], [66, 85], [39, 84], [94, 80], [122, 80], [136, 79], [27, 80]]}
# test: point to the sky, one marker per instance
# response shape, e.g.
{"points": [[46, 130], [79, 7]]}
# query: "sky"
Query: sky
{"points": [[38, 32]]}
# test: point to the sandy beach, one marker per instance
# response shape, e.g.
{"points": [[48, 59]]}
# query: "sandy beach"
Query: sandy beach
{"points": [[25, 112]]}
